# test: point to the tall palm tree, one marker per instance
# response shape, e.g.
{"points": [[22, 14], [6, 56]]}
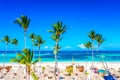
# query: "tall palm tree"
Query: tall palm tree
{"points": [[6, 39], [57, 31], [32, 37], [26, 58], [92, 36], [88, 45], [38, 42], [23, 22], [15, 43], [99, 38]]}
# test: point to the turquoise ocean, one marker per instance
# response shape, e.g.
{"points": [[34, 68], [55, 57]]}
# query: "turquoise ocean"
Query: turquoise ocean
{"points": [[69, 56]]}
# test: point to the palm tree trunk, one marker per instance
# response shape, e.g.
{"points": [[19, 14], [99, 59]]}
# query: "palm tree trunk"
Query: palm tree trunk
{"points": [[33, 59], [24, 39], [87, 59], [29, 70], [40, 62], [92, 59], [92, 53], [5, 56], [56, 62], [55, 71], [101, 58]]}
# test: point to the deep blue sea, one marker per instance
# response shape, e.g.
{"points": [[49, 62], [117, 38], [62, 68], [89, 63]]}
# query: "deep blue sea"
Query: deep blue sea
{"points": [[68, 56]]}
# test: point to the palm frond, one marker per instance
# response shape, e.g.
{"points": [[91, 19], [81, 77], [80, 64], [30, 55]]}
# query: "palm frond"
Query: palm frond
{"points": [[34, 76], [14, 60], [92, 34], [23, 22], [37, 60]]}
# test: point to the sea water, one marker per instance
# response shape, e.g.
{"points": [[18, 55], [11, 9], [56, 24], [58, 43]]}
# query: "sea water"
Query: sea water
{"points": [[68, 56]]}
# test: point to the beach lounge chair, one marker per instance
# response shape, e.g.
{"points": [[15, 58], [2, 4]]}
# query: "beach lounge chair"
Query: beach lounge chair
{"points": [[109, 77]]}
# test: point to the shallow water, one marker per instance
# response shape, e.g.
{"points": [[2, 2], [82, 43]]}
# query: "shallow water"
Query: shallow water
{"points": [[68, 56]]}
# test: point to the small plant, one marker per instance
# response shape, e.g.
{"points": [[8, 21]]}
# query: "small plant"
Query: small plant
{"points": [[43, 68], [69, 69]]}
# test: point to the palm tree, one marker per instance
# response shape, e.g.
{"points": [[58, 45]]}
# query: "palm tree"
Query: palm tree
{"points": [[5, 39], [23, 22], [92, 36], [38, 42], [88, 45], [32, 37], [15, 43], [26, 58], [99, 38], [58, 30]]}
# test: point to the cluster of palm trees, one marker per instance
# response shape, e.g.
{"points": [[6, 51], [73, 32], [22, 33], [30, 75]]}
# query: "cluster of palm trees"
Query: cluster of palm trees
{"points": [[90, 44], [26, 57], [6, 39]]}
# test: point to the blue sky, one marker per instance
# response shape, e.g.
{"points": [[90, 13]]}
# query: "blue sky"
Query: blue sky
{"points": [[81, 16]]}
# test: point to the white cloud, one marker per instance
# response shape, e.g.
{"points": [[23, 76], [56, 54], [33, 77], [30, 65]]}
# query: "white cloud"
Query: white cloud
{"points": [[81, 46], [46, 47], [68, 47]]}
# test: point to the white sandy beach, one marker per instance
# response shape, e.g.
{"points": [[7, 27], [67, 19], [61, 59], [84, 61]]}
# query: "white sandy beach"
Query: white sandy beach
{"points": [[49, 68]]}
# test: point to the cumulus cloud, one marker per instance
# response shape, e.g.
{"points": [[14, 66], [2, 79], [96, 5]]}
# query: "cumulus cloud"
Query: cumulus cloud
{"points": [[46, 47], [81, 46]]}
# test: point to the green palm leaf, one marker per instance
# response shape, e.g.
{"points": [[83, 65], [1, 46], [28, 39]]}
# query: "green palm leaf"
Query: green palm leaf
{"points": [[92, 34], [34, 76]]}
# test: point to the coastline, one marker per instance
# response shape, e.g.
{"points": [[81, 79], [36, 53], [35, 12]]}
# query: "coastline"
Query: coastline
{"points": [[115, 65]]}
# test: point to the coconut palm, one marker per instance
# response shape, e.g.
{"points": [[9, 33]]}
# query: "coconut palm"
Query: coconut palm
{"points": [[5, 39], [26, 58], [88, 45], [99, 38], [57, 31], [92, 36], [23, 22], [32, 37], [15, 43], [38, 42]]}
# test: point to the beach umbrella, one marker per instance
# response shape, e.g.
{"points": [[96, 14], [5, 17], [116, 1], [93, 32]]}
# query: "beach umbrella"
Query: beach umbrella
{"points": [[102, 71]]}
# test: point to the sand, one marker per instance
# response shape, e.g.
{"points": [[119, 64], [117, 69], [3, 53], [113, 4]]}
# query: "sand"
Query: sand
{"points": [[62, 66]]}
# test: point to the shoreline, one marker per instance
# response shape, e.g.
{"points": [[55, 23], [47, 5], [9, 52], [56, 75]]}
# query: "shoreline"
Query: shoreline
{"points": [[115, 65]]}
